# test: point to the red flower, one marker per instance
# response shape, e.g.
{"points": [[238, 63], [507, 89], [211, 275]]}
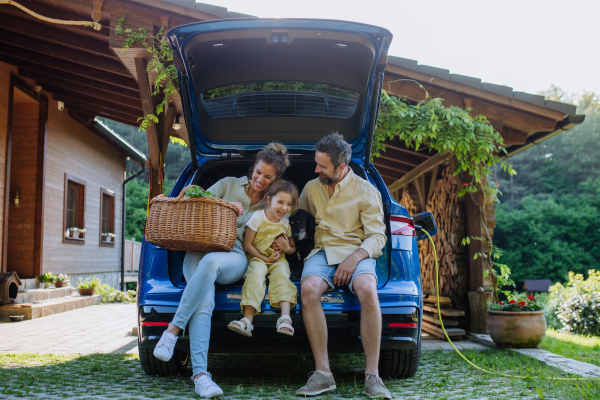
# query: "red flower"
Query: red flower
{"points": [[522, 303], [497, 184], [512, 302], [501, 303], [531, 298]]}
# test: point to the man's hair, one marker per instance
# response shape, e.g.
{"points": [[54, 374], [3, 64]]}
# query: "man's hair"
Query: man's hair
{"points": [[338, 150]]}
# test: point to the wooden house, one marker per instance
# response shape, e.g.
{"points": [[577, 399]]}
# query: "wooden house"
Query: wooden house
{"points": [[91, 73]]}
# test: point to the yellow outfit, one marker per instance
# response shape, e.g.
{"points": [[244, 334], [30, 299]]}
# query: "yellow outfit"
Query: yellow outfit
{"points": [[281, 287]]}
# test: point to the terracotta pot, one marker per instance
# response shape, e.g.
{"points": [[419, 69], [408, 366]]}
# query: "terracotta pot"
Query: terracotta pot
{"points": [[516, 329], [86, 292], [61, 283]]}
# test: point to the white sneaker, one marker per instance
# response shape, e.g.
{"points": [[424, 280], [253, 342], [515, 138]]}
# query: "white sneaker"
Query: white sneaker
{"points": [[206, 387], [165, 346]]}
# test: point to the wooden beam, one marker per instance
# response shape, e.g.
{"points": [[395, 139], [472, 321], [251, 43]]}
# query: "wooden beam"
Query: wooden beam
{"points": [[434, 173], [418, 171], [95, 110], [406, 151], [56, 13], [75, 82], [80, 99], [90, 95], [519, 119], [473, 218], [45, 33], [92, 114], [40, 184], [418, 184], [402, 161], [469, 91], [403, 169], [18, 57], [166, 129], [141, 67], [63, 53]]}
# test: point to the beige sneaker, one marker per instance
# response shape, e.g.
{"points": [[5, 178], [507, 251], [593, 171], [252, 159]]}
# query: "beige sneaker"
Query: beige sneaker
{"points": [[317, 384], [375, 388]]}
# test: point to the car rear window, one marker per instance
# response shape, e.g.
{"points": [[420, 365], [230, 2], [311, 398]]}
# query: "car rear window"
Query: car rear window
{"points": [[280, 98]]}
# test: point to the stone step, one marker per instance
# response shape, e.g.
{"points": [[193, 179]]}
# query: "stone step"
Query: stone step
{"points": [[31, 283], [48, 307], [36, 295]]}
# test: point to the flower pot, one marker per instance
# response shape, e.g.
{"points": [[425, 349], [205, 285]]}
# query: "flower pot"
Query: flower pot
{"points": [[86, 292], [61, 283], [46, 285], [516, 329], [75, 234]]}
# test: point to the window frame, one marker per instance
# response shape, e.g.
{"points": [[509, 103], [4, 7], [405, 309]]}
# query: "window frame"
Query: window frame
{"points": [[81, 211], [112, 218]]}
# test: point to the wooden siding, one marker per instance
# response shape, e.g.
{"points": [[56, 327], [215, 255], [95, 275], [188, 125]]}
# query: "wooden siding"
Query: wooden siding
{"points": [[5, 71], [74, 150], [21, 220]]}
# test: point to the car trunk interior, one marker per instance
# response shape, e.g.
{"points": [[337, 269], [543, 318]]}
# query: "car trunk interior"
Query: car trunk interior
{"points": [[301, 170]]}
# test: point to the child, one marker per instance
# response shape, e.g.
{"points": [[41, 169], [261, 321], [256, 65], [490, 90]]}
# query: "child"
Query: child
{"points": [[264, 228]]}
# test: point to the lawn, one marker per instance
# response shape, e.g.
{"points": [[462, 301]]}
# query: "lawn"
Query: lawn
{"points": [[277, 376], [577, 347]]}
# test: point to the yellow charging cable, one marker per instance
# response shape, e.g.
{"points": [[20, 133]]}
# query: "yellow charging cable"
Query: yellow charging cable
{"points": [[437, 290]]}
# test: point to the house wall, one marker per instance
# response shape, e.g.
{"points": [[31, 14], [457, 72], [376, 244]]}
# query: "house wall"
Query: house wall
{"points": [[73, 149], [5, 70], [21, 220]]}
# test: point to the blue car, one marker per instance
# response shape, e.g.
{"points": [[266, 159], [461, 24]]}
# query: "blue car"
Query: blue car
{"points": [[245, 83]]}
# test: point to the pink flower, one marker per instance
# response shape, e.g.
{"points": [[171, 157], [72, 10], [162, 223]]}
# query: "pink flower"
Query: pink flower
{"points": [[512, 302]]}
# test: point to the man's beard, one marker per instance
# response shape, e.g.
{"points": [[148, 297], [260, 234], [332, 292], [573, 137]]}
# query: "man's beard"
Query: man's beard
{"points": [[327, 180]]}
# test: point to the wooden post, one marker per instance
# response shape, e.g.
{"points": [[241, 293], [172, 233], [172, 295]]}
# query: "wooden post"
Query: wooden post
{"points": [[478, 305]]}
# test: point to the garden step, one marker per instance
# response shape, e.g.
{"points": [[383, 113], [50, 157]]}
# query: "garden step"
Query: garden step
{"points": [[36, 295], [31, 283], [48, 307]]}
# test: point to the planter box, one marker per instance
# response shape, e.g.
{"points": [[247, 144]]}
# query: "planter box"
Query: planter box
{"points": [[516, 329], [74, 234], [86, 292], [61, 284]]}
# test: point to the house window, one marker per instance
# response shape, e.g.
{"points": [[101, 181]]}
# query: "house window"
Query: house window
{"points": [[74, 210], [107, 218]]}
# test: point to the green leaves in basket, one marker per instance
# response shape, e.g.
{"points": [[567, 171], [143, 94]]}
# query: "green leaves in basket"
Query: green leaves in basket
{"points": [[197, 191]]}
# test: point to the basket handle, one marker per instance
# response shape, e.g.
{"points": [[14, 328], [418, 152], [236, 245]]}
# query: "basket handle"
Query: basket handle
{"points": [[185, 189]]}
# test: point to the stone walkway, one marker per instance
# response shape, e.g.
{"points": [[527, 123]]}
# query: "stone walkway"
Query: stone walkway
{"points": [[104, 328]]}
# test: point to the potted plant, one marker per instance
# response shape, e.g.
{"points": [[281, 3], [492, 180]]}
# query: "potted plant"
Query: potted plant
{"points": [[46, 279], [61, 280], [111, 237], [81, 233], [88, 286], [73, 232], [516, 324]]}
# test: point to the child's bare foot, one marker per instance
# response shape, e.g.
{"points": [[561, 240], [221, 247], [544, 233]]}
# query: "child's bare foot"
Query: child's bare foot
{"points": [[284, 325]]}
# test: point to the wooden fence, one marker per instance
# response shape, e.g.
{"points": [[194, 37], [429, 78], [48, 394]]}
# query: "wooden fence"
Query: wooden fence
{"points": [[132, 255]]}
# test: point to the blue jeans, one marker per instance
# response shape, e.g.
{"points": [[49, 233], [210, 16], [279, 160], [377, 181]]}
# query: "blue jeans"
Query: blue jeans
{"points": [[201, 271]]}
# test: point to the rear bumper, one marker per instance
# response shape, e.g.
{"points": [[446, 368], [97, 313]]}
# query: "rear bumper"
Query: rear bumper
{"points": [[343, 332]]}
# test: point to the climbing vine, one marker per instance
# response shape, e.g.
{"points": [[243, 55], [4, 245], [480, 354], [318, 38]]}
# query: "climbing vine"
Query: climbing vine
{"points": [[161, 65], [472, 139]]}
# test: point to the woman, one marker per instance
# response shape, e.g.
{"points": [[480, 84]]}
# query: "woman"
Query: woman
{"points": [[202, 270]]}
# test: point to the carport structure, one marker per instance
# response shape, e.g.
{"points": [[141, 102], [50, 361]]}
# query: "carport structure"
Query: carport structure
{"points": [[93, 75]]}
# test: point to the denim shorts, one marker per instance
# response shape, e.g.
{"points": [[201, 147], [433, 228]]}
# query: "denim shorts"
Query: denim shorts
{"points": [[317, 265]]}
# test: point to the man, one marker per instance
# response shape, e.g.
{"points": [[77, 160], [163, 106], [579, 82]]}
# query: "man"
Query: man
{"points": [[350, 234]]}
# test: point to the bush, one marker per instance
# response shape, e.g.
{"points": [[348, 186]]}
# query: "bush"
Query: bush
{"points": [[111, 295], [88, 283], [577, 305]]}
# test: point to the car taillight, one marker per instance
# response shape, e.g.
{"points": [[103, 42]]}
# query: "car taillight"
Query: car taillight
{"points": [[402, 324], [401, 225], [155, 324]]}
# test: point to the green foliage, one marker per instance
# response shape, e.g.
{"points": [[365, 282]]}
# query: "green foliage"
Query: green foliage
{"points": [[577, 304], [431, 125], [161, 65], [111, 295], [48, 277], [197, 191], [89, 283]]}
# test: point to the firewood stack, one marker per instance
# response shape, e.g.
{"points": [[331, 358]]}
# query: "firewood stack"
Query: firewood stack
{"points": [[443, 204], [431, 322]]}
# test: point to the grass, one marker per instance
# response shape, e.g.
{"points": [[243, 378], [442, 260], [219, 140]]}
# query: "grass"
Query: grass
{"points": [[577, 347], [277, 376]]}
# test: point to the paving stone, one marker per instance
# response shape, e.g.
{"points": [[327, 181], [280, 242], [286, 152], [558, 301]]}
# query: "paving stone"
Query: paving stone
{"points": [[566, 364]]}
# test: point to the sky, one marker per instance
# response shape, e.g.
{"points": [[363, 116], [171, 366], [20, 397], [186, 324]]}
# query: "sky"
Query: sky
{"points": [[527, 44]]}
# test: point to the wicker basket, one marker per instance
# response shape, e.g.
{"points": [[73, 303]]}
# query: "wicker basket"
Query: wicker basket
{"points": [[191, 223]]}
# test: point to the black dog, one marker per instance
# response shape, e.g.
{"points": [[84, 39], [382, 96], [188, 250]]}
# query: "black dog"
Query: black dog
{"points": [[303, 233]]}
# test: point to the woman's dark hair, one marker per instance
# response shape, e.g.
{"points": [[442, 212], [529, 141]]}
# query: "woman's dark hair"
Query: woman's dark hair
{"points": [[274, 154], [282, 185]]}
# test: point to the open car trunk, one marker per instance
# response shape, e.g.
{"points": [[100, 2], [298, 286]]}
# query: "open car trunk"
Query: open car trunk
{"points": [[301, 170]]}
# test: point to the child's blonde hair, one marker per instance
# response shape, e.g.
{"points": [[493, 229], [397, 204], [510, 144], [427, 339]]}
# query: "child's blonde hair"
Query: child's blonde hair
{"points": [[282, 185]]}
